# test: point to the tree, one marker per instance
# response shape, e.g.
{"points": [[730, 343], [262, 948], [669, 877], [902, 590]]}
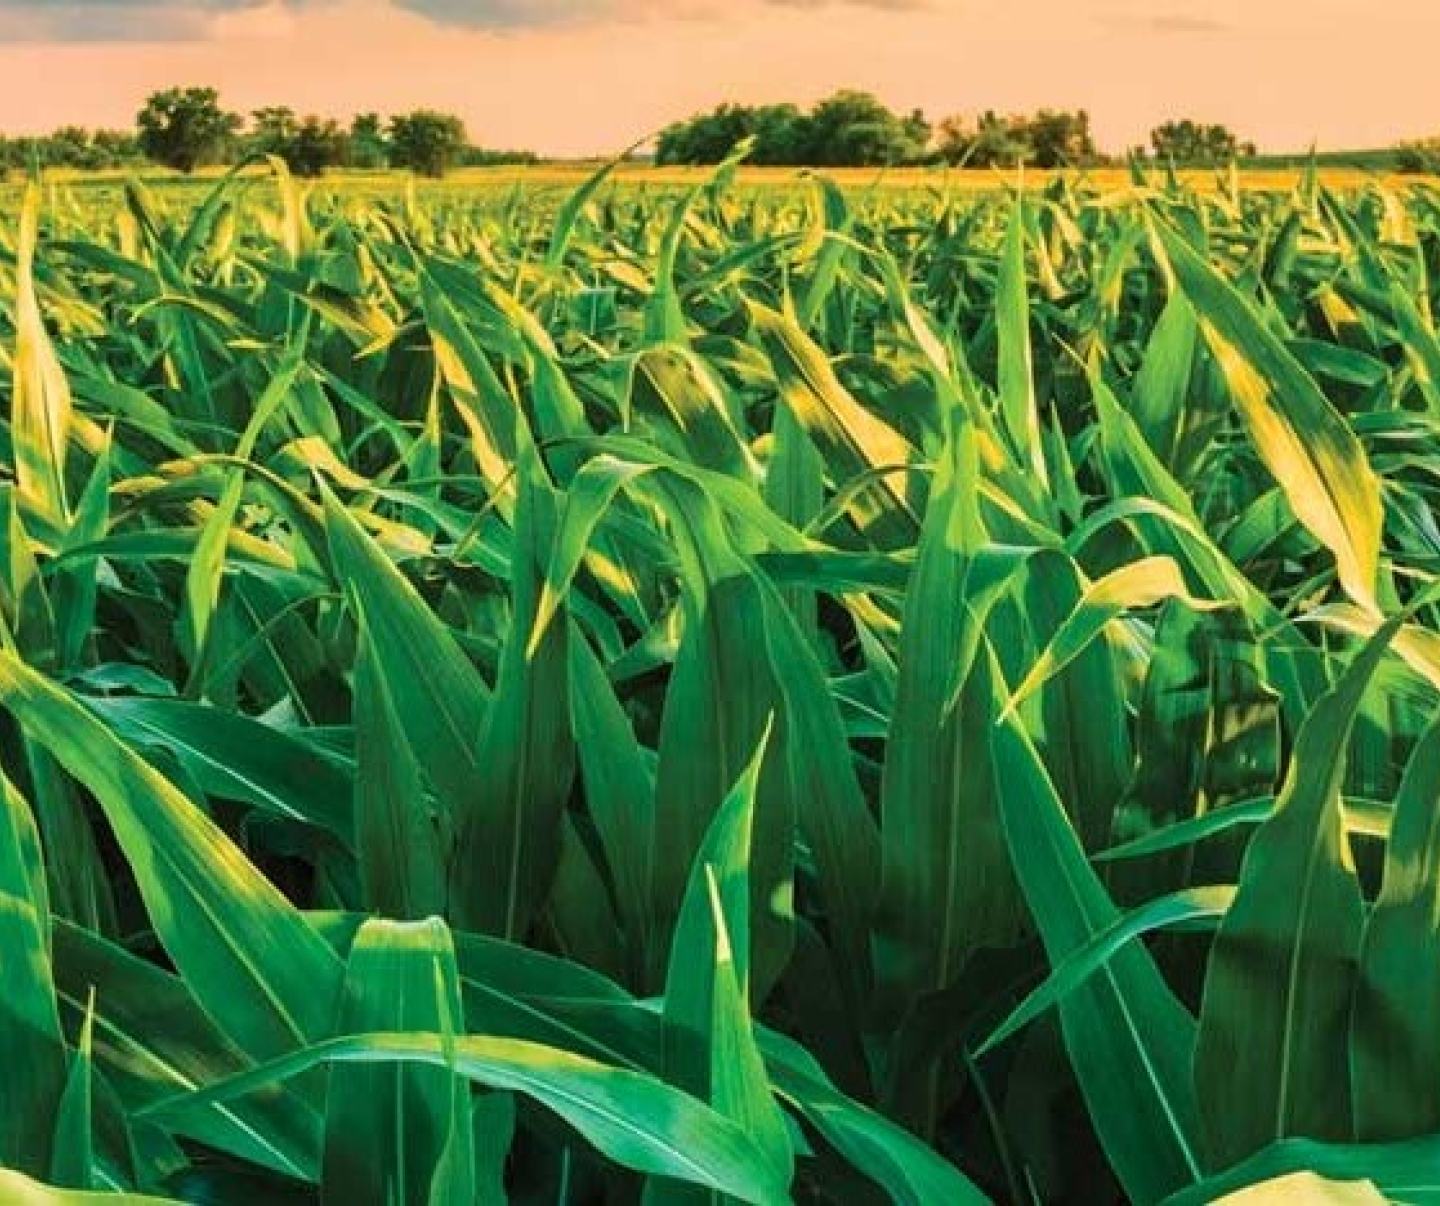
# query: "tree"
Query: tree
{"points": [[847, 129], [368, 148], [919, 131], [427, 142], [708, 137], [307, 145], [116, 147], [184, 128], [272, 129], [1051, 138], [73, 147], [1197, 144], [779, 132], [1419, 156], [989, 140], [853, 129], [319, 143], [490, 157], [70, 146], [1059, 138]]}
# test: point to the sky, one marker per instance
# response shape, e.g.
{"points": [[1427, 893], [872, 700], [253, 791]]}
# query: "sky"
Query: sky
{"points": [[591, 77]]}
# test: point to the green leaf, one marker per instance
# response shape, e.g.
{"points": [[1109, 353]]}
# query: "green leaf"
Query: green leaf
{"points": [[207, 566], [430, 679], [1178, 909], [74, 588], [41, 408], [887, 1154], [24, 595], [509, 831], [391, 1128], [721, 696], [151, 1041], [1310, 450], [249, 957], [397, 841], [20, 1190], [619, 788], [73, 1159], [591, 492], [853, 442], [833, 815], [1140, 584], [1128, 1037], [1402, 1172], [1394, 1052], [1160, 394], [947, 888], [1015, 367], [31, 1043], [567, 219], [1271, 1054], [631, 1118], [710, 1046], [234, 757]]}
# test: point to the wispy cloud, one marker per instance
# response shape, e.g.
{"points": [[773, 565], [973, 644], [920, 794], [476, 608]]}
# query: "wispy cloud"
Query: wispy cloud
{"points": [[1148, 18], [1181, 23], [26, 21], [897, 5], [538, 14], [91, 21], [191, 20]]}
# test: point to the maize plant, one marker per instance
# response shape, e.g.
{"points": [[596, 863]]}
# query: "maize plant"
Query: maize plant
{"points": [[719, 695]]}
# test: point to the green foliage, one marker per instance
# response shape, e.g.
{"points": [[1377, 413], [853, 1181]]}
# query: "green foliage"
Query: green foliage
{"points": [[307, 145], [73, 147], [187, 128], [184, 128], [1418, 155], [368, 148], [1189, 143], [1048, 139], [733, 695], [426, 142], [318, 143], [850, 128]]}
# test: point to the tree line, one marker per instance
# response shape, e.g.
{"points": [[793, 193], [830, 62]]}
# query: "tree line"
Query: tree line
{"points": [[855, 129], [1419, 155], [189, 128]]}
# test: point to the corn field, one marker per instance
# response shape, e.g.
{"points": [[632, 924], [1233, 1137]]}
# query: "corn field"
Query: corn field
{"points": [[722, 695]]}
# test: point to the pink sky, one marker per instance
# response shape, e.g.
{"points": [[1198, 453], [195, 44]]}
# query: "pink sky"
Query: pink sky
{"points": [[591, 76]]}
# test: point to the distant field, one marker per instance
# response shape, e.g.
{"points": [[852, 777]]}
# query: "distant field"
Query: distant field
{"points": [[562, 176]]}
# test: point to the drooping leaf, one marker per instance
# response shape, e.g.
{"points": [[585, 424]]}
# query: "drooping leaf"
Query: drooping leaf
{"points": [[1312, 453], [254, 964]]}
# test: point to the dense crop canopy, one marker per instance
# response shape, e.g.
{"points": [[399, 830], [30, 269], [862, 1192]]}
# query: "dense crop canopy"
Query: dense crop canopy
{"points": [[738, 695]]}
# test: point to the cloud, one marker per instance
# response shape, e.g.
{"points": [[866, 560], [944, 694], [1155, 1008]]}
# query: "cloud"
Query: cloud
{"points": [[1133, 19], [191, 20], [539, 14], [115, 20], [515, 14], [1183, 23], [91, 22], [893, 5]]}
